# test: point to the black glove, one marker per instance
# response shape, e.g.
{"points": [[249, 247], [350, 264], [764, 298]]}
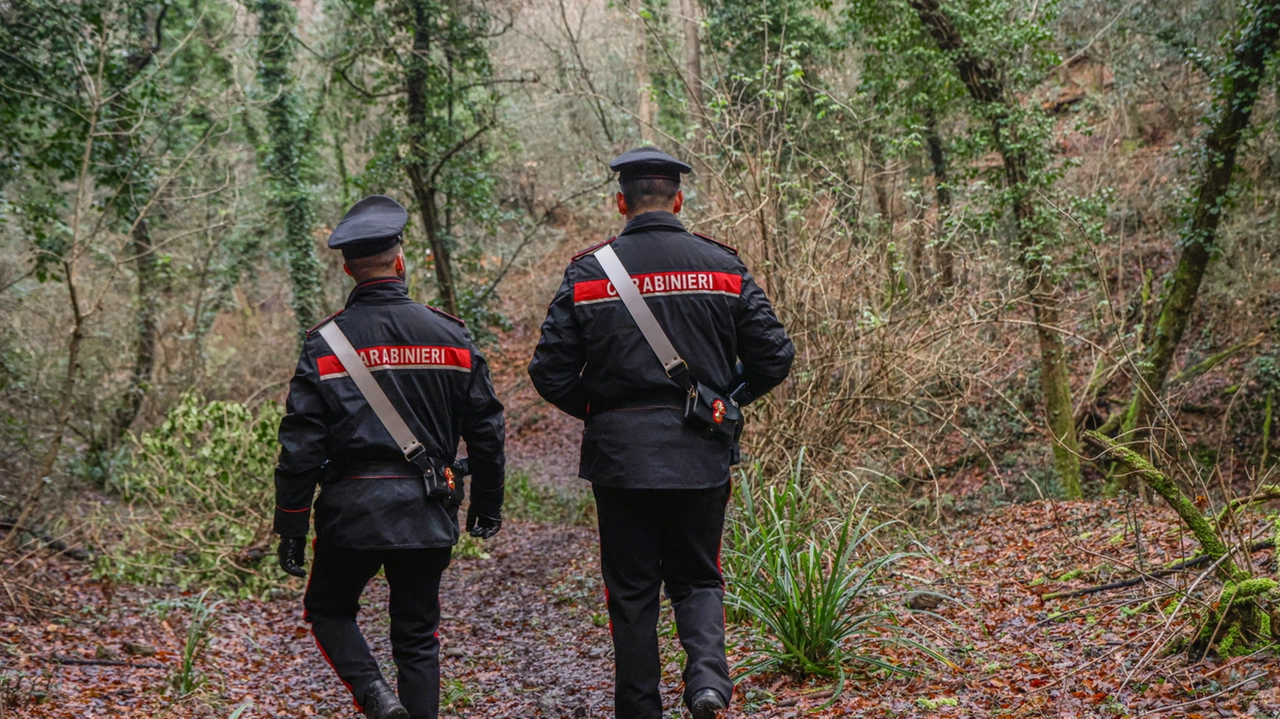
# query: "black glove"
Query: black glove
{"points": [[292, 554], [462, 466], [741, 395], [483, 523]]}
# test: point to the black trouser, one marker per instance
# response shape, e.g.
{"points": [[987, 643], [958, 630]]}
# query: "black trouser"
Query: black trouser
{"points": [[338, 576], [648, 538]]}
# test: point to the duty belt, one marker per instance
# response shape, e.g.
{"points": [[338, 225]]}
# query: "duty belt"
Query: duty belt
{"points": [[664, 399], [394, 469]]}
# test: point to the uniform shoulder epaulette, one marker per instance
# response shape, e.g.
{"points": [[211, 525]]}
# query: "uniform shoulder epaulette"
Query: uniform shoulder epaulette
{"points": [[446, 315], [731, 249], [592, 248], [325, 321]]}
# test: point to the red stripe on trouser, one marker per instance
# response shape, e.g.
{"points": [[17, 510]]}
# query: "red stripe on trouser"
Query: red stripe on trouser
{"points": [[319, 646], [325, 654], [311, 574], [723, 586], [606, 610], [719, 550]]}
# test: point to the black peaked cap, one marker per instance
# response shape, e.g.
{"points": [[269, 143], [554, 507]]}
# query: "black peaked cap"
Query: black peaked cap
{"points": [[372, 225], [648, 162]]}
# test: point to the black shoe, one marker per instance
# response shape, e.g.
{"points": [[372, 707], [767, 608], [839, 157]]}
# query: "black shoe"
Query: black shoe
{"points": [[381, 703], [706, 704]]}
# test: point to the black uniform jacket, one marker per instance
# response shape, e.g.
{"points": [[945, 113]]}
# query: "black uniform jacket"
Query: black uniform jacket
{"points": [[370, 497], [593, 363]]}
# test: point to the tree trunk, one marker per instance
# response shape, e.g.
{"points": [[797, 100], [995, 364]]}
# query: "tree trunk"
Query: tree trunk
{"points": [[916, 208], [416, 166], [647, 109], [1236, 97], [944, 255], [135, 194], [144, 320], [1055, 376], [287, 138], [983, 81], [692, 56], [340, 159]]}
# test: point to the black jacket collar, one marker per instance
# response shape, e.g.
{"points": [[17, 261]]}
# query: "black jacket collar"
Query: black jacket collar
{"points": [[651, 221], [382, 291]]}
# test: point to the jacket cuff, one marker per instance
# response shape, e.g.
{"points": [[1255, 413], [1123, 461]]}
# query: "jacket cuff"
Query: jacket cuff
{"points": [[487, 502], [292, 522]]}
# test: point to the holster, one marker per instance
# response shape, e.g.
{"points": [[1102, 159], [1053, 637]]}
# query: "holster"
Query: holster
{"points": [[714, 413], [442, 481]]}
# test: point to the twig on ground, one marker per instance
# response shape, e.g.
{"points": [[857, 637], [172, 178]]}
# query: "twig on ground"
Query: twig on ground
{"points": [[16, 524], [1173, 569], [1112, 603], [1198, 700], [72, 661]]}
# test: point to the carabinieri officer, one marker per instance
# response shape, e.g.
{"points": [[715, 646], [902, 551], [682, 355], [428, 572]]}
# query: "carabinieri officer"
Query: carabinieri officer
{"points": [[660, 479], [373, 511]]}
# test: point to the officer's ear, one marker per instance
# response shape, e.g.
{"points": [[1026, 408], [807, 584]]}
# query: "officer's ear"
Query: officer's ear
{"points": [[675, 209], [400, 264], [622, 204], [347, 270]]}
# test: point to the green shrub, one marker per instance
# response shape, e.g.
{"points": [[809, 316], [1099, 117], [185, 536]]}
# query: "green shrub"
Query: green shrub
{"points": [[199, 493], [811, 587]]}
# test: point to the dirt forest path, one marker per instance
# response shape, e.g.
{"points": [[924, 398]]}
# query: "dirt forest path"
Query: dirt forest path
{"points": [[524, 627]]}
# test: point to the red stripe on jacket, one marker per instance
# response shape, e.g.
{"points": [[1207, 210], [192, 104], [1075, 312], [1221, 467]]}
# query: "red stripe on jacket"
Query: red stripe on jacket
{"points": [[400, 357], [663, 283]]}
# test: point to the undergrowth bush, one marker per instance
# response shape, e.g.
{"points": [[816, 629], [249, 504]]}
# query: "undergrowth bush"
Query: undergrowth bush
{"points": [[199, 492], [805, 571]]}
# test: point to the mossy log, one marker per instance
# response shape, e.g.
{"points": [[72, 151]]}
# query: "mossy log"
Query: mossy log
{"points": [[1199, 525], [1240, 622]]}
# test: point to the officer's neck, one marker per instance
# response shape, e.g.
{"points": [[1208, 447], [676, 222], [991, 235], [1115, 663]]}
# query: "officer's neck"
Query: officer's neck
{"points": [[648, 210], [364, 279]]}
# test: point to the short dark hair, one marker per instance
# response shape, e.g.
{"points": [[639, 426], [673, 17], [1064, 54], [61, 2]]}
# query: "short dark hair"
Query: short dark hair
{"points": [[643, 192], [373, 265]]}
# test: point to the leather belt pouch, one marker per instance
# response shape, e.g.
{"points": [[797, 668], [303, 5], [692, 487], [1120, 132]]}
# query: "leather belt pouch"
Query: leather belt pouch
{"points": [[712, 412], [441, 482]]}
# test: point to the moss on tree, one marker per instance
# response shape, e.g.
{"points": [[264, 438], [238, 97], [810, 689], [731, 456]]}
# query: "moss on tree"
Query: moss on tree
{"points": [[1239, 623]]}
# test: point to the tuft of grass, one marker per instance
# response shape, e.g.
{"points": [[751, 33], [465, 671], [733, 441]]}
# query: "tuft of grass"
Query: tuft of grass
{"points": [[543, 502], [468, 547], [455, 694], [199, 630], [810, 586]]}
